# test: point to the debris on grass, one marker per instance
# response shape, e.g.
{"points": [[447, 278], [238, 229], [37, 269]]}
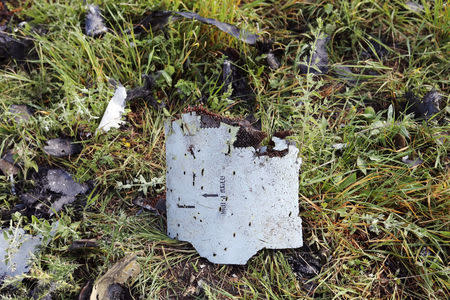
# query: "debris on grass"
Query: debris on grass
{"points": [[215, 181], [61, 147], [145, 92], [7, 165], [412, 163], [54, 189], [83, 245], [425, 108], [13, 48], [346, 74], [112, 118], [305, 265], [232, 30], [317, 62], [233, 75], [16, 249], [156, 205], [272, 61], [374, 50], [111, 286], [22, 113], [158, 19], [94, 22], [9, 168], [415, 7], [339, 146], [155, 21], [61, 182], [86, 291]]}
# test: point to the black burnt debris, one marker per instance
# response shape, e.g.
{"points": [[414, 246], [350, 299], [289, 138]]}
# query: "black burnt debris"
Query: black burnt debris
{"points": [[83, 245], [424, 108], [14, 48], [155, 21], [61, 147], [317, 62], [155, 205], [374, 50], [158, 19], [248, 137], [305, 265], [145, 92], [53, 189], [235, 77]]}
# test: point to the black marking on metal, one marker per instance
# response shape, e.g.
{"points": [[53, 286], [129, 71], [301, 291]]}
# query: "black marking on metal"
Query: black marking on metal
{"points": [[185, 206], [210, 195]]}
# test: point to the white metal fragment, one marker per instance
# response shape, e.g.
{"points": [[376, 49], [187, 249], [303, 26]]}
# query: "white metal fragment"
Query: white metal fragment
{"points": [[17, 249], [229, 202], [112, 118], [15, 252]]}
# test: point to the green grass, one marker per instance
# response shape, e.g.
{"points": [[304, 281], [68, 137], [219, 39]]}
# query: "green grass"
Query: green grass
{"points": [[368, 217]]}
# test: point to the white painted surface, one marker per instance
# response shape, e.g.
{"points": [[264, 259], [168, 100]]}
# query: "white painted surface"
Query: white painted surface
{"points": [[229, 202], [112, 118], [16, 251]]}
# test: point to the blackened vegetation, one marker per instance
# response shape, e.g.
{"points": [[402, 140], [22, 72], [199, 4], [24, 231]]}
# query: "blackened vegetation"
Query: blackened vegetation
{"points": [[83, 245], [85, 293], [425, 108], [117, 291]]}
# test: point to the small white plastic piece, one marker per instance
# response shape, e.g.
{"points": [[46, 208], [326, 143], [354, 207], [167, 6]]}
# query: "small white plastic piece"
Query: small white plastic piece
{"points": [[229, 202], [112, 118]]}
